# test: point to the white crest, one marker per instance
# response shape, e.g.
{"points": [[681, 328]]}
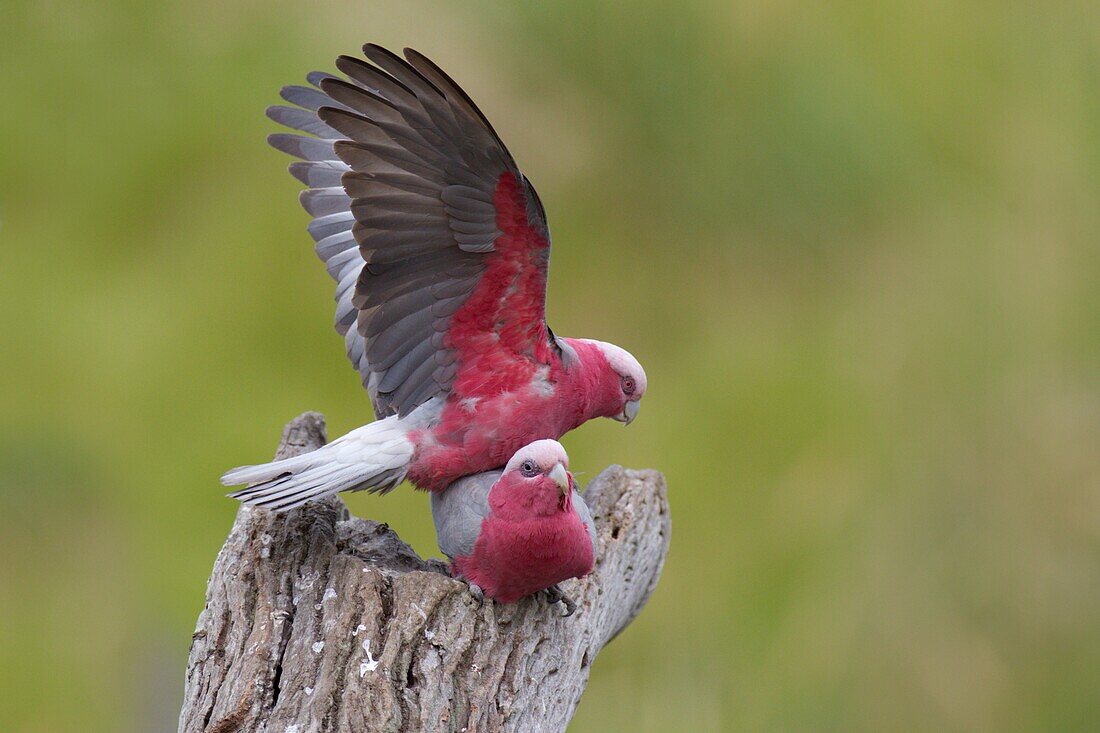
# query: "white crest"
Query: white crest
{"points": [[623, 362], [543, 452]]}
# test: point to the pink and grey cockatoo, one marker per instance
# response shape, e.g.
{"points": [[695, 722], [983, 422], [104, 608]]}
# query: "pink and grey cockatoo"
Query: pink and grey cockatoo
{"points": [[440, 249], [515, 532]]}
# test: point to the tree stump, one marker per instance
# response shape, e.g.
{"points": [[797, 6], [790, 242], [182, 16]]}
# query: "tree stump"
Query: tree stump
{"points": [[319, 621]]}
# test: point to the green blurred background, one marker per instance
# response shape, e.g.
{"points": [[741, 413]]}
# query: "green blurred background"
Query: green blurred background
{"points": [[857, 248]]}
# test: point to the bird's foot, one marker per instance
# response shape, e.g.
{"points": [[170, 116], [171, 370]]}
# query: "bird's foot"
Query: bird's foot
{"points": [[477, 593], [554, 595]]}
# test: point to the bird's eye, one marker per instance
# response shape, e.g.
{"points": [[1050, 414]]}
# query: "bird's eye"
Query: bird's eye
{"points": [[628, 385], [529, 468]]}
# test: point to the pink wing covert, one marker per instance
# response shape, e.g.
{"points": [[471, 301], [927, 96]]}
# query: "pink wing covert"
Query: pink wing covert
{"points": [[499, 334]]}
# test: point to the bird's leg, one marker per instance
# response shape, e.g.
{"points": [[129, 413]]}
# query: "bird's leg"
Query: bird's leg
{"points": [[554, 595], [476, 592], [474, 588]]}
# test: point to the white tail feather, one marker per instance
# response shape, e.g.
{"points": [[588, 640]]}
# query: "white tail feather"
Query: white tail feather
{"points": [[374, 457]]}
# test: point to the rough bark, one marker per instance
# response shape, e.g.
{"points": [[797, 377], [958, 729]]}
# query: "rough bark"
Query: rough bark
{"points": [[319, 621]]}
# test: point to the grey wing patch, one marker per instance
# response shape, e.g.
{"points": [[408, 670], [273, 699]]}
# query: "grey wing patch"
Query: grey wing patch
{"points": [[322, 170], [459, 510], [402, 169], [582, 510], [566, 352]]}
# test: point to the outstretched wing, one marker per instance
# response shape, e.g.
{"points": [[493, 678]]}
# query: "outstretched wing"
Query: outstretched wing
{"points": [[437, 242]]}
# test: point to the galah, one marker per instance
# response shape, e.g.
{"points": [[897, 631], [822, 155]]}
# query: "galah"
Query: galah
{"points": [[440, 249], [515, 532]]}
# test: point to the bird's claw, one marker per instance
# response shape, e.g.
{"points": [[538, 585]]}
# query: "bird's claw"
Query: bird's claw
{"points": [[554, 595], [477, 593]]}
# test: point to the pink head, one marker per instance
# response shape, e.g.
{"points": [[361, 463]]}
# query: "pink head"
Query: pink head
{"points": [[620, 383], [535, 483]]}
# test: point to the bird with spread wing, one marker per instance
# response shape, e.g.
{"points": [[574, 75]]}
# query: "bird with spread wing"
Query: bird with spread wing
{"points": [[440, 249]]}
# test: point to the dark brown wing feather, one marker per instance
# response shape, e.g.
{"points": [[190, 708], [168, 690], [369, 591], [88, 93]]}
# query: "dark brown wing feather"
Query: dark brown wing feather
{"points": [[402, 171]]}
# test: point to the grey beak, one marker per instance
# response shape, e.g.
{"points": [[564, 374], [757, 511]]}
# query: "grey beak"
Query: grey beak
{"points": [[630, 411], [561, 477]]}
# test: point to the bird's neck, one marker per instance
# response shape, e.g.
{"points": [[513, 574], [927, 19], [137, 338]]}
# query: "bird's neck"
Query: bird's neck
{"points": [[595, 381], [512, 501]]}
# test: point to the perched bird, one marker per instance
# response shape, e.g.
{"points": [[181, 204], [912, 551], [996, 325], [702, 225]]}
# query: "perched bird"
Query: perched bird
{"points": [[440, 249], [515, 532]]}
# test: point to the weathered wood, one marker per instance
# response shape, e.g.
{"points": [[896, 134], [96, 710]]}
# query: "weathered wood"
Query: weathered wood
{"points": [[318, 621]]}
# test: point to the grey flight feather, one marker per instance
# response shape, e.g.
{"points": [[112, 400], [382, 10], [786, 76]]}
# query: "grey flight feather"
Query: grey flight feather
{"points": [[402, 168]]}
